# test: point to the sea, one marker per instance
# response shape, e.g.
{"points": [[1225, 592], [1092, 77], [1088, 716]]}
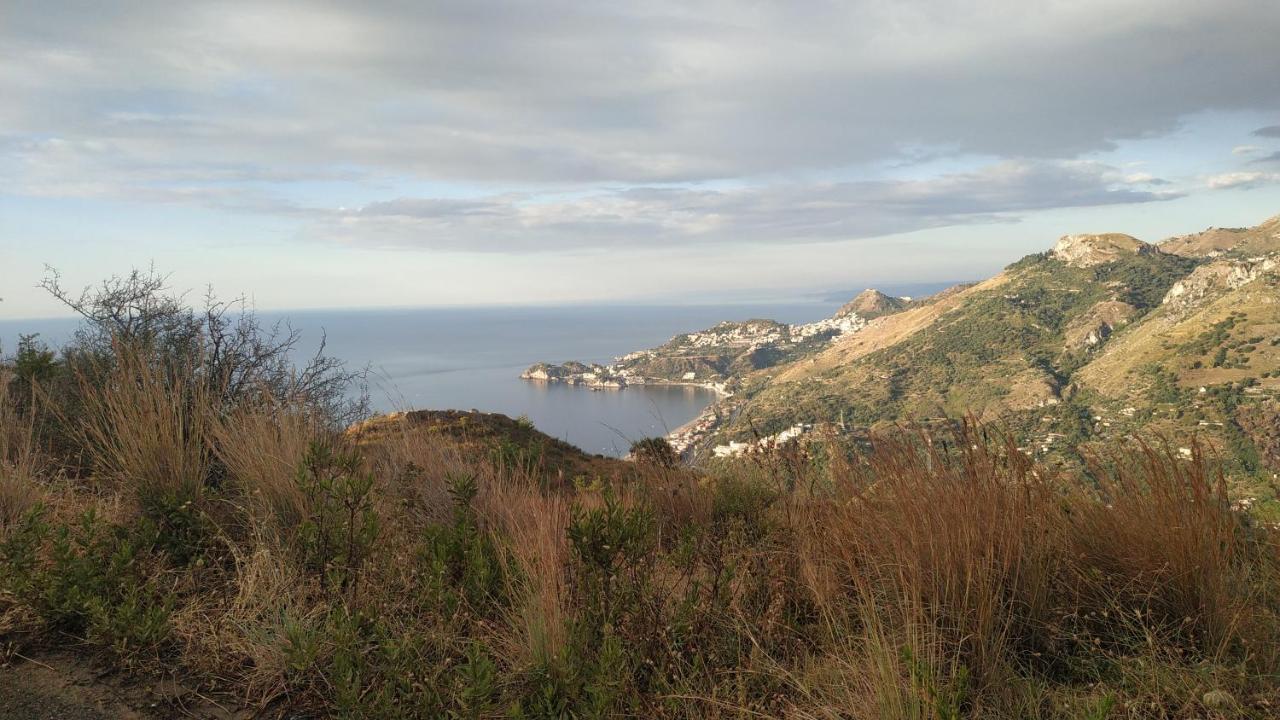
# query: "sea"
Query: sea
{"points": [[471, 358]]}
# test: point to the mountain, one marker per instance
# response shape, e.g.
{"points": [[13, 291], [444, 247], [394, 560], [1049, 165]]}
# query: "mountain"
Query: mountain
{"points": [[872, 303], [1101, 336]]}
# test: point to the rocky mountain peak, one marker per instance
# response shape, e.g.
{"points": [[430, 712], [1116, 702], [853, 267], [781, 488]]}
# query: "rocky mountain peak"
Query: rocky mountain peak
{"points": [[871, 303], [1091, 250]]}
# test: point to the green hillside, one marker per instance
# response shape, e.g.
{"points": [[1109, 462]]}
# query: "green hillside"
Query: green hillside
{"points": [[1102, 336]]}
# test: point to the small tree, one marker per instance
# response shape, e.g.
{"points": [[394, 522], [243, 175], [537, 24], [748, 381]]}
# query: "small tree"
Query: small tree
{"points": [[655, 451]]}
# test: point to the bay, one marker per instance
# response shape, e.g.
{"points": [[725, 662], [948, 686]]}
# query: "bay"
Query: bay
{"points": [[471, 358]]}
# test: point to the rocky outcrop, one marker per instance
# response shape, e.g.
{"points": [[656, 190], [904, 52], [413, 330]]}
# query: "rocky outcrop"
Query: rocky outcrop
{"points": [[1096, 325], [550, 372], [1207, 281], [1091, 250]]}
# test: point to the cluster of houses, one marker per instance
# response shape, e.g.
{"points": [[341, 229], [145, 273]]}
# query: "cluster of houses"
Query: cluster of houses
{"points": [[739, 448]]}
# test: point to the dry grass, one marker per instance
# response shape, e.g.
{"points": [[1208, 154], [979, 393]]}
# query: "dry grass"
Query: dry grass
{"points": [[262, 448], [932, 577], [947, 579], [1162, 543], [242, 636], [531, 527], [20, 463], [147, 426], [937, 561]]}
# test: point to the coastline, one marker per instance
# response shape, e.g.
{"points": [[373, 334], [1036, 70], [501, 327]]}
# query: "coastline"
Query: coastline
{"points": [[684, 436], [719, 390]]}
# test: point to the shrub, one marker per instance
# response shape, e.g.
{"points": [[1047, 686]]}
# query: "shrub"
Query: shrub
{"points": [[223, 344], [338, 534], [655, 451], [96, 582], [461, 561]]}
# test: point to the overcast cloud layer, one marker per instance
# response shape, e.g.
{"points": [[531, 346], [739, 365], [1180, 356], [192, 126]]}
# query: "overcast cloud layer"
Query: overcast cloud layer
{"points": [[621, 92], [522, 127]]}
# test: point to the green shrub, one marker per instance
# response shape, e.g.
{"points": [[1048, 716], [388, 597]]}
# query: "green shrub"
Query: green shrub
{"points": [[97, 581], [461, 562], [519, 458], [656, 451], [338, 535]]}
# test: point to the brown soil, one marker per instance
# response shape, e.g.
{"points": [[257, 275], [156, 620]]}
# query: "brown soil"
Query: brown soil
{"points": [[65, 686]]}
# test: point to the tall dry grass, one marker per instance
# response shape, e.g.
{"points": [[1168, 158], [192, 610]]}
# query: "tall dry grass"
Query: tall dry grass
{"points": [[943, 562], [20, 463], [1160, 543], [949, 574], [531, 527], [261, 447], [147, 426]]}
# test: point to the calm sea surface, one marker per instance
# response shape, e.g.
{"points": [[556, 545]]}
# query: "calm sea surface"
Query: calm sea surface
{"points": [[472, 358]]}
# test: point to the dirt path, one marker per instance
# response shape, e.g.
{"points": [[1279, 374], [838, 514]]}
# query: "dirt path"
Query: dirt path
{"points": [[65, 687]]}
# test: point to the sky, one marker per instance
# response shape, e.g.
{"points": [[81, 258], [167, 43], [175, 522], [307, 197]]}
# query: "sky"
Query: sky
{"points": [[473, 152]]}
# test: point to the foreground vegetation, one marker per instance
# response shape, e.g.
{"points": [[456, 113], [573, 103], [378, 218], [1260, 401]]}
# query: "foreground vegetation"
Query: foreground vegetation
{"points": [[165, 503]]}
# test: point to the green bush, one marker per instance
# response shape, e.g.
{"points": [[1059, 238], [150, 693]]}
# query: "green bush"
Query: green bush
{"points": [[520, 458], [338, 535], [656, 451], [461, 562], [93, 580]]}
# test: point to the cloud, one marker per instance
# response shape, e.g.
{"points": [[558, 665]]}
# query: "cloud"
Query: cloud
{"points": [[55, 167], [784, 213], [1245, 150], [1272, 158], [1242, 180], [1143, 178], [630, 92], [1271, 131]]}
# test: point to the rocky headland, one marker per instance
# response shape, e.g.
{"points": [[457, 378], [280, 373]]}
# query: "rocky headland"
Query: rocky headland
{"points": [[1100, 336], [719, 359]]}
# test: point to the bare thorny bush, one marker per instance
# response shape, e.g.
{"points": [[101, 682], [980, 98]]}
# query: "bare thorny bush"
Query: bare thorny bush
{"points": [[222, 346]]}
